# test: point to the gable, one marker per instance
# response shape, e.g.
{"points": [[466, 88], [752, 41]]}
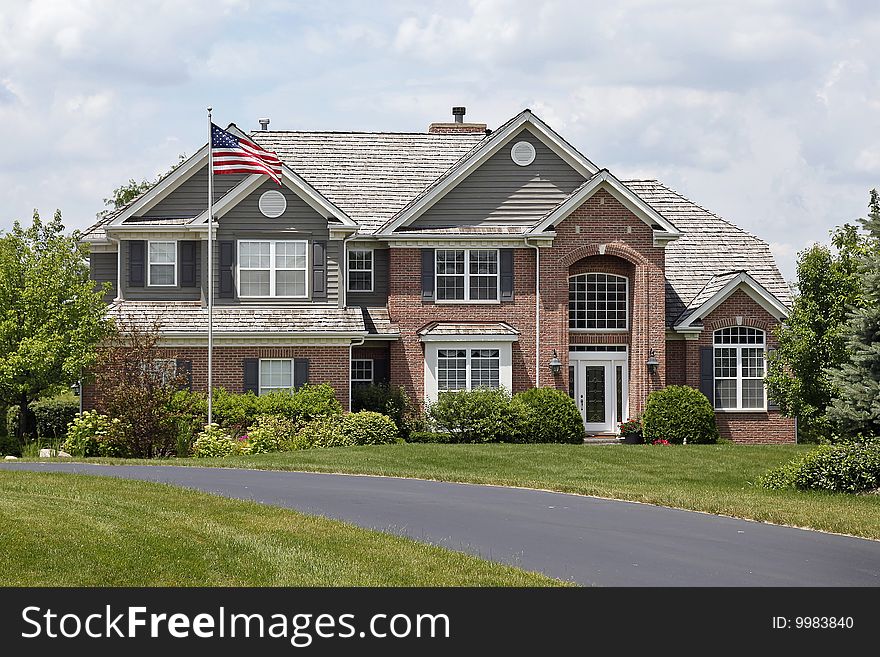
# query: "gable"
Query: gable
{"points": [[190, 198], [298, 216], [500, 192]]}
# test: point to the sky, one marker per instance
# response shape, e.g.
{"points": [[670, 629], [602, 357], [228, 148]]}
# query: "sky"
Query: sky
{"points": [[766, 113]]}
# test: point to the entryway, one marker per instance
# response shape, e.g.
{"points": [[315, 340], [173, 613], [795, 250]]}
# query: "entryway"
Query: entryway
{"points": [[598, 381]]}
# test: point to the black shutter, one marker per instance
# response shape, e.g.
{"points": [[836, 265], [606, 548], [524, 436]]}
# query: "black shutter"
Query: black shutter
{"points": [[252, 375], [380, 370], [227, 269], [319, 270], [188, 259], [707, 373], [506, 270], [771, 405], [300, 372], [137, 263], [185, 369], [427, 274]]}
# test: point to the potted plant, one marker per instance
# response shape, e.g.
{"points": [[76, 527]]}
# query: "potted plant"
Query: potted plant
{"points": [[631, 431]]}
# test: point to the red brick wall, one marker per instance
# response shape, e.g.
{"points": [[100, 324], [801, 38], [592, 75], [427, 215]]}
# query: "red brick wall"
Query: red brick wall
{"points": [[676, 363]]}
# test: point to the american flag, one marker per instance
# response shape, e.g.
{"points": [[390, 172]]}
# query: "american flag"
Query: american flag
{"points": [[239, 155]]}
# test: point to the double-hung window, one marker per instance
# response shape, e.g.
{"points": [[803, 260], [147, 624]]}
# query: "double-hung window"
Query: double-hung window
{"points": [[467, 274], [597, 302], [360, 270], [739, 368], [162, 264], [361, 371], [276, 374], [272, 268], [468, 369]]}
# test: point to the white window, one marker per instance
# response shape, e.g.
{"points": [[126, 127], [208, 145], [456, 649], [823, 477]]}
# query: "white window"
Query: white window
{"points": [[360, 270], [362, 371], [598, 302], [272, 268], [739, 369], [467, 274], [276, 374], [468, 369], [160, 370], [162, 264]]}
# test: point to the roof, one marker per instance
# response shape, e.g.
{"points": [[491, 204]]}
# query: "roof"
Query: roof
{"points": [[719, 288], [183, 317], [708, 247], [468, 328]]}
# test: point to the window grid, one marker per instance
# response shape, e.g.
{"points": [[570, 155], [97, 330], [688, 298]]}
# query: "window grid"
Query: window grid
{"points": [[598, 302], [466, 274], [468, 369], [162, 264], [360, 270], [451, 369], [276, 374], [362, 371], [272, 268], [739, 368]]}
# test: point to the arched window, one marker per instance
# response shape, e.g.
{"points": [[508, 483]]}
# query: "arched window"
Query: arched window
{"points": [[739, 368], [598, 302]]}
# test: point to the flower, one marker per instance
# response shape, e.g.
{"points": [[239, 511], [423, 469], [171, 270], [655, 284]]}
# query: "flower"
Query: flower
{"points": [[660, 441], [243, 438]]}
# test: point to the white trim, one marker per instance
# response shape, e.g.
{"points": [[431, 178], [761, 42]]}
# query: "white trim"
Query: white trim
{"points": [[470, 337], [505, 362], [747, 284], [273, 270], [611, 360], [372, 363], [260, 362], [467, 276], [268, 197], [492, 145], [372, 269], [599, 330], [161, 264], [605, 180], [465, 241]]}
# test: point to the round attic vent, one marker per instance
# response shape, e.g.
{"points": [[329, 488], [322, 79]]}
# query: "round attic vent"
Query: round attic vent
{"points": [[273, 204], [522, 153]]}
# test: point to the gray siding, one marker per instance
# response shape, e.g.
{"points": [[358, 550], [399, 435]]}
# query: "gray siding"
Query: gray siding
{"points": [[147, 293], [501, 192], [102, 268], [379, 295], [191, 197]]}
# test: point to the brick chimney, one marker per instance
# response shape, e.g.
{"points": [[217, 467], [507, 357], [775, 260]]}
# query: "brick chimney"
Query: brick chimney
{"points": [[458, 126]]}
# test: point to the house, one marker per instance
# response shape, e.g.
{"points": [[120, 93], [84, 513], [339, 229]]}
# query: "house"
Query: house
{"points": [[450, 259]]}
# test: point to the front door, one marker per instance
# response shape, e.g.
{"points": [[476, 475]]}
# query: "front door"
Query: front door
{"points": [[598, 383]]}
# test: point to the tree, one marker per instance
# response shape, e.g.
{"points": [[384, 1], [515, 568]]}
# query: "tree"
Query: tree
{"points": [[51, 316], [811, 341], [856, 410], [125, 194]]}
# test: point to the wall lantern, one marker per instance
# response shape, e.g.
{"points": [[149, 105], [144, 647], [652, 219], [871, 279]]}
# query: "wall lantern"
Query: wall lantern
{"points": [[652, 363], [555, 364]]}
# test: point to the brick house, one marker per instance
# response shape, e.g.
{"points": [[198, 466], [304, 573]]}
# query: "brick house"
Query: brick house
{"points": [[455, 258]]}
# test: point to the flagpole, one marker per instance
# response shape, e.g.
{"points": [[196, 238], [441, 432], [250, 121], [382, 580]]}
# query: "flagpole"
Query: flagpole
{"points": [[210, 266]]}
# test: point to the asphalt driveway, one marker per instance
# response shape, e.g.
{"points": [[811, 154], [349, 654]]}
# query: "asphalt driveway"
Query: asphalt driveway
{"points": [[582, 539]]}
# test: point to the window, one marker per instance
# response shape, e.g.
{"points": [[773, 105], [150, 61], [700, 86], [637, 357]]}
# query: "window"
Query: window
{"points": [[160, 370], [162, 263], [272, 269], [275, 374], [361, 371], [467, 369], [739, 368], [360, 270], [467, 275], [598, 302]]}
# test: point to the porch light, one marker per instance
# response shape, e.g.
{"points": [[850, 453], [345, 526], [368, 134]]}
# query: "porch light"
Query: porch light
{"points": [[555, 364], [652, 363]]}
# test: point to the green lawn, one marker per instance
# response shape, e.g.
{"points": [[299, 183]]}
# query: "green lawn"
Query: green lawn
{"points": [[714, 478], [75, 530]]}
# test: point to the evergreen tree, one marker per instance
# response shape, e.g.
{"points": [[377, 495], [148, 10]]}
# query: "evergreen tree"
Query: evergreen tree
{"points": [[856, 411]]}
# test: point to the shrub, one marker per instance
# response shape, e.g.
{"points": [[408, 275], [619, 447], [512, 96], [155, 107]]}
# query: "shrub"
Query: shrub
{"points": [[549, 416], [271, 433], [323, 432], [237, 412], [53, 415], [9, 446], [13, 418], [92, 434], [214, 441], [477, 416], [189, 412], [391, 401], [849, 468], [429, 437], [679, 414], [369, 428]]}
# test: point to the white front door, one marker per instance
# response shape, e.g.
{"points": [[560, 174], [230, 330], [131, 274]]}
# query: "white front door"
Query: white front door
{"points": [[598, 383]]}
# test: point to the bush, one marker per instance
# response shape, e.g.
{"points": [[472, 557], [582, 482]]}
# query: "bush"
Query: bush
{"points": [[679, 414], [849, 468], [9, 446], [271, 433], [391, 401], [429, 437], [13, 418], [93, 434], [189, 412], [237, 412], [369, 428], [477, 416], [325, 432], [213, 441], [53, 415], [549, 416]]}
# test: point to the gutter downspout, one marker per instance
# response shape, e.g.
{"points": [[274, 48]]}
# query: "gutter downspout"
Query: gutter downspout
{"points": [[351, 347], [537, 311]]}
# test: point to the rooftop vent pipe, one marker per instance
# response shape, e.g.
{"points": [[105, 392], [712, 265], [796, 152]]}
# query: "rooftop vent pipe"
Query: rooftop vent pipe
{"points": [[458, 113], [264, 124]]}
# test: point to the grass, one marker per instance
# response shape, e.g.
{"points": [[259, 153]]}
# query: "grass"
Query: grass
{"points": [[75, 530], [713, 478]]}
